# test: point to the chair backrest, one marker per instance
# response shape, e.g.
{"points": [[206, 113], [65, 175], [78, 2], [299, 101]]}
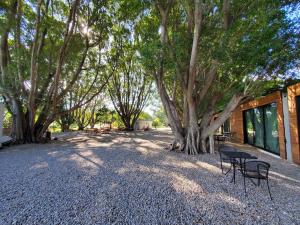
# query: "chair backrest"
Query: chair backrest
{"points": [[261, 167], [226, 134]]}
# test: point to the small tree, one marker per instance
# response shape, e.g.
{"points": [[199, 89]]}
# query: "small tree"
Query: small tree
{"points": [[105, 115], [161, 116], [156, 123]]}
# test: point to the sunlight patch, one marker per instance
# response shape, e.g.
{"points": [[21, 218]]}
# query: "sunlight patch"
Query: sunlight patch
{"points": [[40, 165], [183, 184], [209, 167], [229, 199]]}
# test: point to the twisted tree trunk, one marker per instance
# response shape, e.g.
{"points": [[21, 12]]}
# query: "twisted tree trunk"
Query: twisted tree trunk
{"points": [[168, 104], [191, 131]]}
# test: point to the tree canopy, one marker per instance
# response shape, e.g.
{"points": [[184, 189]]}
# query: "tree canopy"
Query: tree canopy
{"points": [[58, 57], [211, 56]]}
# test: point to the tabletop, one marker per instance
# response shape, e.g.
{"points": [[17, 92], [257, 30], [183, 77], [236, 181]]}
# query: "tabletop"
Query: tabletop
{"points": [[238, 154]]}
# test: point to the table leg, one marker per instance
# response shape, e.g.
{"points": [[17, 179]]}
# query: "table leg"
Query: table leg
{"points": [[234, 173], [233, 176], [242, 161]]}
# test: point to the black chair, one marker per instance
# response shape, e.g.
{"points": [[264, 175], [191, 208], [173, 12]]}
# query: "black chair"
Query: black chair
{"points": [[225, 158], [256, 170], [220, 138], [227, 136]]}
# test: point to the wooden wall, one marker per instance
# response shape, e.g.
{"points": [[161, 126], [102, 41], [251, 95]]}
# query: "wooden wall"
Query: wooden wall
{"points": [[237, 125], [294, 91]]}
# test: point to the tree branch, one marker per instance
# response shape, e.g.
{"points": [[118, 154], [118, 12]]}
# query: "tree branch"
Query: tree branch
{"points": [[223, 116]]}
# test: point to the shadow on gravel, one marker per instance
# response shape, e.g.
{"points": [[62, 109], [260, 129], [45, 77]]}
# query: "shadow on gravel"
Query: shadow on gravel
{"points": [[129, 178]]}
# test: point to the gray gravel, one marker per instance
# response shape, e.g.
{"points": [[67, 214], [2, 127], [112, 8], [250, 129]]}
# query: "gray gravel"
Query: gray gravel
{"points": [[131, 179]]}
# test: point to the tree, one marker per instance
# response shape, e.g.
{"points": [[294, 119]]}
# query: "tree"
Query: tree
{"points": [[129, 87], [156, 123], [103, 114], [161, 116], [129, 91], [106, 116], [86, 115], [45, 47], [212, 55]]}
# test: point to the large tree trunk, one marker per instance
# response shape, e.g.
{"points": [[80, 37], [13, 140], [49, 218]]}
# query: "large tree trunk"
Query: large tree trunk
{"points": [[126, 121], [173, 117], [64, 127], [169, 106], [92, 120], [18, 124], [193, 132], [222, 117], [133, 122], [192, 145], [21, 126], [80, 127]]}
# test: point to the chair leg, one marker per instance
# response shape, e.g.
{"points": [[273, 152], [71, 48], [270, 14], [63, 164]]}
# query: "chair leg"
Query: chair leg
{"points": [[245, 185], [222, 167], [234, 173], [228, 170], [269, 189]]}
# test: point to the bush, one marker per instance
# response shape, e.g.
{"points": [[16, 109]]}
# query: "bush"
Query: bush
{"points": [[145, 116], [156, 123], [7, 120], [54, 127]]}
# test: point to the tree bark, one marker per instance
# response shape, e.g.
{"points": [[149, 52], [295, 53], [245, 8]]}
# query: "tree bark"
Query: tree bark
{"points": [[193, 133], [169, 106], [36, 107], [18, 131], [223, 116]]}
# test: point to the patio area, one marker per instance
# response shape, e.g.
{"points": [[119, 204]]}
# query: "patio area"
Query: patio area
{"points": [[130, 178]]}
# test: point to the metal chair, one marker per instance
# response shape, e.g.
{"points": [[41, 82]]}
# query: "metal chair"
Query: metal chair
{"points": [[256, 170], [225, 158]]}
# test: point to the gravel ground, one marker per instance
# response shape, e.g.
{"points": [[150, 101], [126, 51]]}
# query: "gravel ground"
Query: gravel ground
{"points": [[131, 179]]}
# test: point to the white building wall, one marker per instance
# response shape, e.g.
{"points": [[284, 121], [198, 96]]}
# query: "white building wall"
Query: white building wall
{"points": [[287, 132], [142, 124]]}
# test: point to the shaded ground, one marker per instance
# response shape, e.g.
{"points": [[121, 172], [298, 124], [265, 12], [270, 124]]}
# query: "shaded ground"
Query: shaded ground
{"points": [[130, 178]]}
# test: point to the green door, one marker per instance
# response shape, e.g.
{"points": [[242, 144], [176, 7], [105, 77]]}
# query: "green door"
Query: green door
{"points": [[271, 124], [249, 127], [259, 127]]}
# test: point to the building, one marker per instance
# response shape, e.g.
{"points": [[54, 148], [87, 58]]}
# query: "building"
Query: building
{"points": [[142, 124], [271, 123]]}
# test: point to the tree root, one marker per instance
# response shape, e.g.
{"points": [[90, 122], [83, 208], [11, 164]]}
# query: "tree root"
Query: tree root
{"points": [[192, 146], [177, 145]]}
